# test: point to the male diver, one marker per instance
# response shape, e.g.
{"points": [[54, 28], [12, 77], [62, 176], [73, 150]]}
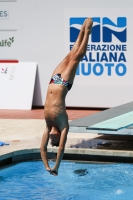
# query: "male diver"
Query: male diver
{"points": [[57, 126]]}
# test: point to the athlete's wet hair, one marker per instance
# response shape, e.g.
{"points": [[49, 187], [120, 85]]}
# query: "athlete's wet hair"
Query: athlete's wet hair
{"points": [[54, 142]]}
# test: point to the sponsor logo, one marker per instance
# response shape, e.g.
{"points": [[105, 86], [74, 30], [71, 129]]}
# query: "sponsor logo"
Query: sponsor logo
{"points": [[7, 43], [106, 51], [4, 70], [4, 14], [104, 25]]}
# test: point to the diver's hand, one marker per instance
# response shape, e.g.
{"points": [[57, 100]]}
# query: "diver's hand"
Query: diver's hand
{"points": [[48, 169], [54, 171]]}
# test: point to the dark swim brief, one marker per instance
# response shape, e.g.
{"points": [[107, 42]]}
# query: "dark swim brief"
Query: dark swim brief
{"points": [[57, 79]]}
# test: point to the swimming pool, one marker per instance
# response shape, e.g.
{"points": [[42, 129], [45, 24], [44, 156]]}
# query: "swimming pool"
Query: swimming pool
{"points": [[76, 181]]}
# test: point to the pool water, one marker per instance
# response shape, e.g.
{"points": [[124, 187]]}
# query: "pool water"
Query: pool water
{"points": [[76, 181]]}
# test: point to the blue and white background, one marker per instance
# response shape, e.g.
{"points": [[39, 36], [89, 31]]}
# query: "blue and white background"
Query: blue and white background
{"points": [[104, 75], [103, 55]]}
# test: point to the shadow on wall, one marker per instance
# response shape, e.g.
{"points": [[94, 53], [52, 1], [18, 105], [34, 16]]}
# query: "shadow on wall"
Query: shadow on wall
{"points": [[109, 142], [37, 96]]}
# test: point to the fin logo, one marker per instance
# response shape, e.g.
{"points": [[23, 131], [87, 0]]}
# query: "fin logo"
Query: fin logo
{"points": [[101, 25]]}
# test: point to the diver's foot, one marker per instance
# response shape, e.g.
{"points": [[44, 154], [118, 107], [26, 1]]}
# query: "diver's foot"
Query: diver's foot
{"points": [[84, 25], [88, 24]]}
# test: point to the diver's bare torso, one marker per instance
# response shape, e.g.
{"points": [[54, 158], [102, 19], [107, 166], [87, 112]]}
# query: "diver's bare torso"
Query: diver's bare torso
{"points": [[55, 110]]}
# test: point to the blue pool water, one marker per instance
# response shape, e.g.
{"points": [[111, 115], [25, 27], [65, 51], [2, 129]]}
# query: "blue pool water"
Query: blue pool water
{"points": [[76, 181]]}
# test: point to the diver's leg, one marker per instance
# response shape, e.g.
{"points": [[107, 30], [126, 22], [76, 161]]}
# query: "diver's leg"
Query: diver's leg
{"points": [[76, 46], [79, 38], [75, 55]]}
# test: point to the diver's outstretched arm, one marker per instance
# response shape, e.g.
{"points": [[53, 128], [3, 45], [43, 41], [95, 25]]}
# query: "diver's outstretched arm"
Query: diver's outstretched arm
{"points": [[61, 149], [43, 148]]}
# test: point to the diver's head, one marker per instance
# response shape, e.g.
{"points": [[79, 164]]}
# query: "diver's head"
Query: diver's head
{"points": [[55, 138]]}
